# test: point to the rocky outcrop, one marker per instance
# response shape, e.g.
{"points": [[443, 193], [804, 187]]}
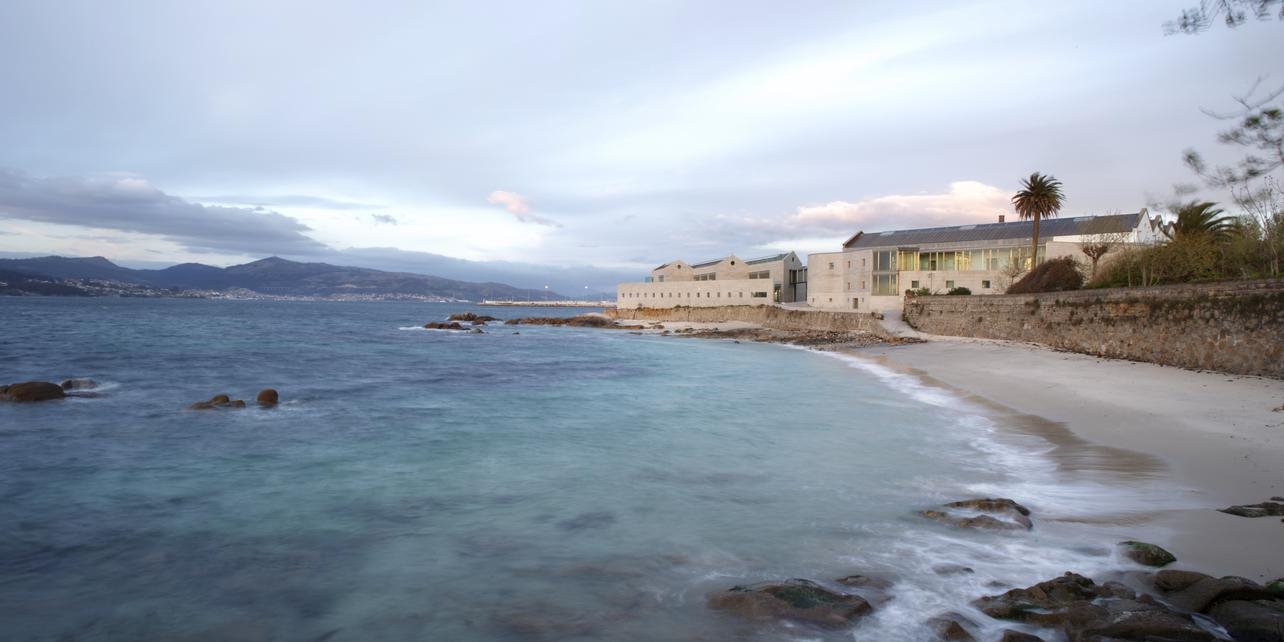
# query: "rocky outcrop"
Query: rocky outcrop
{"points": [[1264, 509], [31, 391], [437, 325], [1147, 554], [473, 317], [985, 514], [1082, 610], [267, 397], [218, 401], [796, 600], [79, 384], [580, 321], [951, 626], [1011, 635]]}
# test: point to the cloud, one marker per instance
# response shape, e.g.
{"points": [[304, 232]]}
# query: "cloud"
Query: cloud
{"points": [[964, 202], [129, 203], [386, 219], [288, 200], [518, 206]]}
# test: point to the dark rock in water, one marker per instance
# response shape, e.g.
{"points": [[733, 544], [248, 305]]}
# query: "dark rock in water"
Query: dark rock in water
{"points": [[995, 514], [1259, 621], [476, 319], [796, 600], [1147, 554], [79, 384], [217, 401], [952, 569], [865, 581], [1177, 580], [1209, 591], [1082, 610], [581, 321], [1264, 509], [1276, 586], [949, 626], [33, 391], [267, 397], [1011, 635], [453, 325], [477, 331]]}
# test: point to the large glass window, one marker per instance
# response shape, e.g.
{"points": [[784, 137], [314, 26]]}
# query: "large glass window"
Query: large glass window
{"points": [[884, 260], [885, 284]]}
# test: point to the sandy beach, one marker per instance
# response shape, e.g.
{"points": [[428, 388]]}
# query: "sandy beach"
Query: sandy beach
{"points": [[1214, 439]]}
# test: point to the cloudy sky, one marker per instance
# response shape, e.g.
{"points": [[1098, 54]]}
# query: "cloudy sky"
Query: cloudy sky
{"points": [[607, 134]]}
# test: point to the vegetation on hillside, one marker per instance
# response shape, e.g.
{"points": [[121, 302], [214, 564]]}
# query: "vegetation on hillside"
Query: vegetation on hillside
{"points": [[1056, 275]]}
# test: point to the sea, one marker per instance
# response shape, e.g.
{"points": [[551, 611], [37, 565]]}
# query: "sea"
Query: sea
{"points": [[524, 483]]}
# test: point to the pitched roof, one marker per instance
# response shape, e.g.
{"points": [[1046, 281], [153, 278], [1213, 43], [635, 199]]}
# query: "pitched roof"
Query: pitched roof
{"points": [[767, 259], [1070, 226]]}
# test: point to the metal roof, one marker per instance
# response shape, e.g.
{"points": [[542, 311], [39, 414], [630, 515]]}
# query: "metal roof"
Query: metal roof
{"points": [[767, 259], [1050, 227]]}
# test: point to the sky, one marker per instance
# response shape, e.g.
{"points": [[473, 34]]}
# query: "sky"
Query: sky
{"points": [[586, 140]]}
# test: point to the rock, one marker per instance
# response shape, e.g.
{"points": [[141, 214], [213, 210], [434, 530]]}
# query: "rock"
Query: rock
{"points": [[33, 391], [1260, 621], [477, 331], [1209, 591], [1264, 509], [949, 626], [217, 401], [453, 325], [1276, 587], [1177, 580], [1082, 610], [267, 397], [79, 384], [1147, 554], [796, 600], [952, 569], [995, 514], [476, 319], [865, 581], [1011, 635]]}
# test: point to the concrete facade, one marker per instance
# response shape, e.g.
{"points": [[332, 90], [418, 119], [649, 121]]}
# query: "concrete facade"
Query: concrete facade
{"points": [[726, 281], [872, 271]]}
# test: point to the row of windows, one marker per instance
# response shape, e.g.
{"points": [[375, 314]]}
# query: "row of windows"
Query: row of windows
{"points": [[712, 276], [678, 295], [765, 274], [947, 261]]}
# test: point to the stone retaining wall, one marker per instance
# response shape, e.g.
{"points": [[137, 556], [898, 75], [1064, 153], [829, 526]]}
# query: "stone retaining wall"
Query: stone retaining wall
{"points": [[768, 316], [1235, 327]]}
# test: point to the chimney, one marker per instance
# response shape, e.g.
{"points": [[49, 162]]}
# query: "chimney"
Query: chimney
{"points": [[1002, 217]]}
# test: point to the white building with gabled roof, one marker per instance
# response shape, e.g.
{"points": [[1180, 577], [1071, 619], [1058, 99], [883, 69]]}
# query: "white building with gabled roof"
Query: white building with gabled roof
{"points": [[730, 280]]}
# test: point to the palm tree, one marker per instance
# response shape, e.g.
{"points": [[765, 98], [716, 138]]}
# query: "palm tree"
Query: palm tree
{"points": [[1040, 197], [1200, 219]]}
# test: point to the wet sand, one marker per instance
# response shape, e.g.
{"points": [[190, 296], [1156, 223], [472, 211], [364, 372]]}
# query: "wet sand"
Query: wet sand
{"points": [[1213, 439]]}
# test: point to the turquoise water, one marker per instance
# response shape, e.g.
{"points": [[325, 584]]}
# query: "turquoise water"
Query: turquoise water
{"points": [[559, 483]]}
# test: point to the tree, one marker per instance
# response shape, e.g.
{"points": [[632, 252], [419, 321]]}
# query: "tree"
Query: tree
{"points": [[1233, 12], [1040, 197], [1200, 220], [1095, 246], [1253, 182]]}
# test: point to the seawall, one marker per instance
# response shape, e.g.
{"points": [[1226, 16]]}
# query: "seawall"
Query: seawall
{"points": [[1234, 327], [768, 316]]}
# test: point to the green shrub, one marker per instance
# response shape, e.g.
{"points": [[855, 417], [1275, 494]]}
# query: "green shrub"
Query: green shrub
{"points": [[1055, 275], [918, 292], [959, 290]]}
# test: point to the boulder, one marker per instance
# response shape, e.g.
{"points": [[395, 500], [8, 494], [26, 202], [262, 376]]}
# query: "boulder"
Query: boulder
{"points": [[1259, 621], [795, 600], [476, 319], [952, 569], [950, 626], [452, 325], [1012, 635], [33, 391], [1207, 592], [1147, 554], [985, 514], [1082, 610], [267, 397], [1264, 509], [217, 401], [79, 384], [1276, 587], [1177, 580]]}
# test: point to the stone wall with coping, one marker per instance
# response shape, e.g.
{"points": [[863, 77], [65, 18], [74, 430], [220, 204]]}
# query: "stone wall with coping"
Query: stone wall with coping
{"points": [[1235, 327], [767, 316]]}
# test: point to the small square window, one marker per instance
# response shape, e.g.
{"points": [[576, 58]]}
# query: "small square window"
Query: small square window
{"points": [[985, 284], [914, 284], [949, 285], [831, 266]]}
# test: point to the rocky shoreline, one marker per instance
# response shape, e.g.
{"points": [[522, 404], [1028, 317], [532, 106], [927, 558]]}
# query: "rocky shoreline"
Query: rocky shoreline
{"points": [[1160, 605]]}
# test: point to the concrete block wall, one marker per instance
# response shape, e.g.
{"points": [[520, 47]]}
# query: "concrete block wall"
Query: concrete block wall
{"points": [[768, 316]]}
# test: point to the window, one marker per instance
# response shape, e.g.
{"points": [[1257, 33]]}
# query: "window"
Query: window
{"points": [[884, 260], [855, 304], [661, 279], [885, 284], [985, 284], [712, 276], [949, 285], [742, 294], [765, 274], [862, 262], [759, 295], [914, 284], [831, 265], [849, 265]]}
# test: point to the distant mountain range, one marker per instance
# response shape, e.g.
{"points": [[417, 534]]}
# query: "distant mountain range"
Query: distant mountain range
{"points": [[273, 277]]}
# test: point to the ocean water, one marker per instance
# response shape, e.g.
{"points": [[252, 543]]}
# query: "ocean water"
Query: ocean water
{"points": [[560, 483]]}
